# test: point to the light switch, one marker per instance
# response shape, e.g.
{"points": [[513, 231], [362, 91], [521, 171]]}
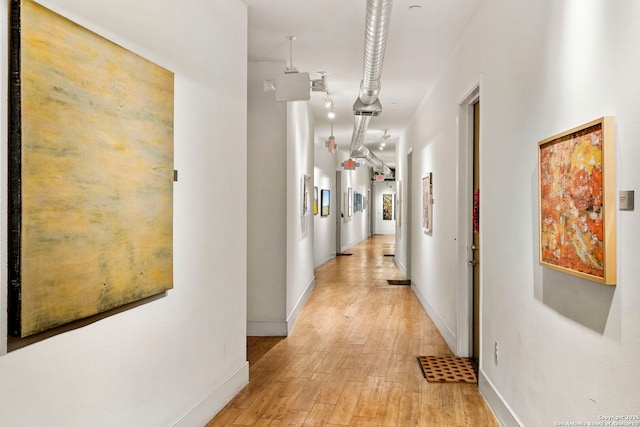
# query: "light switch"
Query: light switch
{"points": [[626, 200]]}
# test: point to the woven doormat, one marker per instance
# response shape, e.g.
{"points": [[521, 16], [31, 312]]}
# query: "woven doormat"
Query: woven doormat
{"points": [[448, 369]]}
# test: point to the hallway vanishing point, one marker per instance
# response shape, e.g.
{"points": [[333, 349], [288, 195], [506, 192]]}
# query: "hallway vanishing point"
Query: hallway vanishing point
{"points": [[351, 357]]}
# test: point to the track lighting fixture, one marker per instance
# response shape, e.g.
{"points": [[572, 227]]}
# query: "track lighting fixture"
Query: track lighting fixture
{"points": [[383, 142], [329, 105]]}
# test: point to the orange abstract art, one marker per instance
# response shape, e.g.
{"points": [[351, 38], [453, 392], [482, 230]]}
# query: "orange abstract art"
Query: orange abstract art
{"points": [[575, 228]]}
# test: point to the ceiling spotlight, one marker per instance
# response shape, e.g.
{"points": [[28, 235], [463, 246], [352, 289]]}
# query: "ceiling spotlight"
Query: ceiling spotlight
{"points": [[415, 7], [383, 144], [331, 115], [328, 101], [381, 148]]}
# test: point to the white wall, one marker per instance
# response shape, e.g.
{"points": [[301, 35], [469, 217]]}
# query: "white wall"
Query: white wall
{"points": [[380, 225], [280, 254], [356, 228], [300, 263], [267, 204], [401, 229], [176, 360], [568, 346], [324, 227]]}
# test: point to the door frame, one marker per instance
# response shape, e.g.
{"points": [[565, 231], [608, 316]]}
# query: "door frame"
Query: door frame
{"points": [[368, 210], [338, 211], [408, 213], [465, 211]]}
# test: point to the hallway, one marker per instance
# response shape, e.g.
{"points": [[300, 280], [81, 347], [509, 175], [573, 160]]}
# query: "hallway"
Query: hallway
{"points": [[351, 357]]}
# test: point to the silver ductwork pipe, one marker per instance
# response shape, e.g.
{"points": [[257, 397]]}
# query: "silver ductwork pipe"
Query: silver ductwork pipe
{"points": [[359, 129], [368, 105]]}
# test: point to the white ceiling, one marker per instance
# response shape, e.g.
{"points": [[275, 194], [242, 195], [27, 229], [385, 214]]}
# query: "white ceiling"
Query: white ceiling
{"points": [[330, 38]]}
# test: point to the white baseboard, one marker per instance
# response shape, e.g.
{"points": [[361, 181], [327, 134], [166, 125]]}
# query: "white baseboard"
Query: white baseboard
{"points": [[400, 266], [281, 329], [496, 403], [267, 329], [293, 317], [325, 259], [443, 328], [350, 245], [212, 403]]}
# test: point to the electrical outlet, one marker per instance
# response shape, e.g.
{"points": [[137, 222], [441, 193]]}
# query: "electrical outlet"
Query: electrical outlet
{"points": [[496, 352]]}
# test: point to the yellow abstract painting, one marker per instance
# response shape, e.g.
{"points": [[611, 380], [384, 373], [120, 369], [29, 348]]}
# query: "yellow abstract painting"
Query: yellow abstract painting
{"points": [[94, 159]]}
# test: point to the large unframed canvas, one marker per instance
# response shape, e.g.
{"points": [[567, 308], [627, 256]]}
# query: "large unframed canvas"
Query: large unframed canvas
{"points": [[577, 201], [91, 173]]}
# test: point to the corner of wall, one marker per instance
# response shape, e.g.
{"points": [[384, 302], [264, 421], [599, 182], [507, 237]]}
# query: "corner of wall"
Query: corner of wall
{"points": [[497, 404], [401, 266], [213, 402], [446, 332], [3, 181], [297, 309], [267, 329]]}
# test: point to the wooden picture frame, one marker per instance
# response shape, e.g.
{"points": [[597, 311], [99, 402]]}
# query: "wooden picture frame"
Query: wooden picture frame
{"points": [[90, 173], [427, 203], [325, 202], [576, 199]]}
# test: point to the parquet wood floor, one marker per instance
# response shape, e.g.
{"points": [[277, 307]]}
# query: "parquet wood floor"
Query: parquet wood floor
{"points": [[351, 357]]}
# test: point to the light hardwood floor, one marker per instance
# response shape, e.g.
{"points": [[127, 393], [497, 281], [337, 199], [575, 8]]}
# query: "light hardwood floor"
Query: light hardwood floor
{"points": [[351, 357]]}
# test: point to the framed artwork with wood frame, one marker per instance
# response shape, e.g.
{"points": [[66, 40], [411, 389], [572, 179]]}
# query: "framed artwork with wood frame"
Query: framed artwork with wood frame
{"points": [[577, 217]]}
